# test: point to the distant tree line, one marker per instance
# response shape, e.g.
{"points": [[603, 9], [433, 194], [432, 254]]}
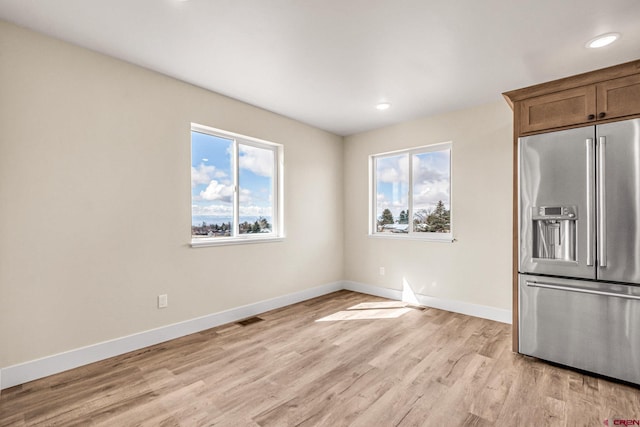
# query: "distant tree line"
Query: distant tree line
{"points": [[257, 227], [261, 225]]}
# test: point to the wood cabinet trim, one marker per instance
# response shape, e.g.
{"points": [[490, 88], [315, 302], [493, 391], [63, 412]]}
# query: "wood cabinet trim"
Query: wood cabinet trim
{"points": [[514, 254], [585, 79], [579, 125]]}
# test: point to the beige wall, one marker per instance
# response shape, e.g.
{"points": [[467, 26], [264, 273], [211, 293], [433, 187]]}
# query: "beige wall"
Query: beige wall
{"points": [[475, 268], [95, 201]]}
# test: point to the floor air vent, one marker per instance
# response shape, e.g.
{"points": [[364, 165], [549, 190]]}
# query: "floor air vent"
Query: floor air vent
{"points": [[249, 321]]}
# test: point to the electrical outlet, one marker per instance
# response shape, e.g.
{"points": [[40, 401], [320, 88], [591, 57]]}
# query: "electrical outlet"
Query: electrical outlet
{"points": [[163, 301], [382, 271]]}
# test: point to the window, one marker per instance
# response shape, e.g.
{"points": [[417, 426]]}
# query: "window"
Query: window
{"points": [[235, 188], [411, 193]]}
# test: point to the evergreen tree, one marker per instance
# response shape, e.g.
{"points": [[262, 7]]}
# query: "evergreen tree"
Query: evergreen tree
{"points": [[404, 217], [386, 218], [264, 224], [439, 221]]}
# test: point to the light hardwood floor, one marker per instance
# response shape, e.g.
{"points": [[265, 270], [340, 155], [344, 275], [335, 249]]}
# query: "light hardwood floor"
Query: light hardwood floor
{"points": [[341, 359]]}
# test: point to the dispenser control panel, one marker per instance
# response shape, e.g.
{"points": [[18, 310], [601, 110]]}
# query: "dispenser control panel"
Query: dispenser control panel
{"points": [[554, 213]]}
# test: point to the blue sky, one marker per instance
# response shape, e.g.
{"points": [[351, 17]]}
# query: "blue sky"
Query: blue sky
{"points": [[431, 181], [212, 178]]}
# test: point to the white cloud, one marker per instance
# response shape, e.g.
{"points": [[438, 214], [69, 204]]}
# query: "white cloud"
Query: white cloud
{"points": [[431, 180], [390, 175], [255, 211], [203, 174], [430, 169], [393, 169], [212, 210], [217, 191], [245, 195], [257, 160], [381, 202], [226, 211], [426, 196]]}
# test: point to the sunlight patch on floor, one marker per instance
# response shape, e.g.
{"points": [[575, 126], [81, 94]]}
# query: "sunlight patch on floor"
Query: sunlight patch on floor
{"points": [[360, 314], [379, 309], [408, 295], [378, 304]]}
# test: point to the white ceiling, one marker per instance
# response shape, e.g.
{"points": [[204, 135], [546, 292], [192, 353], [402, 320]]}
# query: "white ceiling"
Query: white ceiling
{"points": [[328, 62]]}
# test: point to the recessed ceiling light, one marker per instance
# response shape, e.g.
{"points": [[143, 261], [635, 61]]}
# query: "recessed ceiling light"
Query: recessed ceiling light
{"points": [[383, 106], [603, 40]]}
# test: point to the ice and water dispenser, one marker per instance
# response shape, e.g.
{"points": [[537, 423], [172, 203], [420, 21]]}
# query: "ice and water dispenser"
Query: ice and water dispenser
{"points": [[554, 232]]}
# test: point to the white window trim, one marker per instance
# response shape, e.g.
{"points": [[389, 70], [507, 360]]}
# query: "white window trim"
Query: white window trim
{"points": [[277, 214], [373, 191], [223, 241]]}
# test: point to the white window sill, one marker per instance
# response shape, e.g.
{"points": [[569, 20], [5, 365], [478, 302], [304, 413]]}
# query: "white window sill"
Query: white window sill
{"points": [[443, 238], [221, 241]]}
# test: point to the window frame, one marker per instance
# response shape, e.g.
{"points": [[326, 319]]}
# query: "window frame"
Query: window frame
{"points": [[373, 192], [277, 214]]}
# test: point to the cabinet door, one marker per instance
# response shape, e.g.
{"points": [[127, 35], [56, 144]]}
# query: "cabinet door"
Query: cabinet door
{"points": [[565, 108], [619, 97]]}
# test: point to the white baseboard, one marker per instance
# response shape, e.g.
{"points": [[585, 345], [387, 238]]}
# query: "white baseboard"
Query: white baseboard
{"points": [[40, 368], [373, 290], [476, 310]]}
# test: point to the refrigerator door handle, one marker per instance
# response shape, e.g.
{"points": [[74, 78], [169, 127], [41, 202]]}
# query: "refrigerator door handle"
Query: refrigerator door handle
{"points": [[590, 193], [602, 211], [580, 290]]}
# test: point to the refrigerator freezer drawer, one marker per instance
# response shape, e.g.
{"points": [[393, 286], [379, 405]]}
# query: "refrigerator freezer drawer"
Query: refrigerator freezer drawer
{"points": [[586, 325]]}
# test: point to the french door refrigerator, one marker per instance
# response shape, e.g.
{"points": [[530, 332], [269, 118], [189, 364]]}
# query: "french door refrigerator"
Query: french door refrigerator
{"points": [[579, 248]]}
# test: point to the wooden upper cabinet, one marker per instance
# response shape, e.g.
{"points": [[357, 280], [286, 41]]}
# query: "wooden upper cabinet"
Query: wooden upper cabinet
{"points": [[603, 95], [618, 97], [558, 109]]}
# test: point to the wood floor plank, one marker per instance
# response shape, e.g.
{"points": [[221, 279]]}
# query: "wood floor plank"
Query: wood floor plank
{"points": [[492, 396], [473, 420], [344, 359]]}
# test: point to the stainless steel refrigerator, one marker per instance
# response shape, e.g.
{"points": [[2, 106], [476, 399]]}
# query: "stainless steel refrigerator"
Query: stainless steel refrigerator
{"points": [[579, 249]]}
